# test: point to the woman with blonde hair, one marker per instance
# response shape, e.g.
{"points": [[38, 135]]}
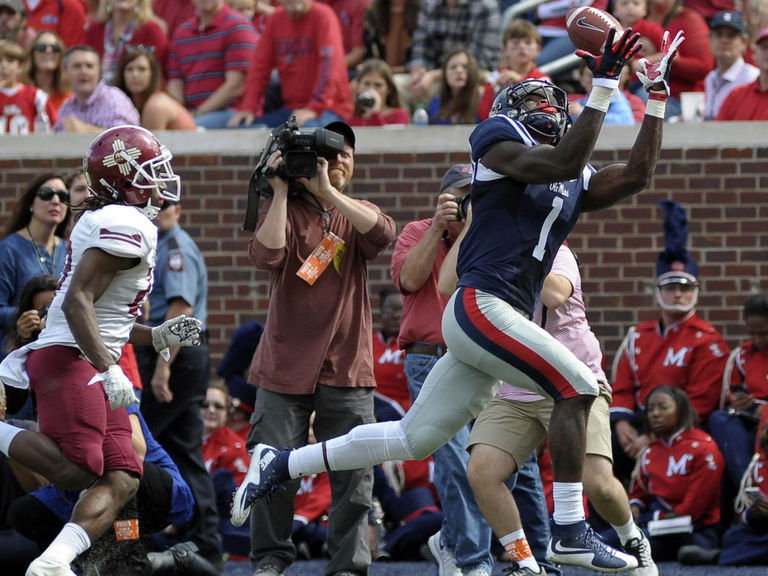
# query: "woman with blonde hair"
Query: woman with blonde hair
{"points": [[139, 76], [42, 66], [121, 23]]}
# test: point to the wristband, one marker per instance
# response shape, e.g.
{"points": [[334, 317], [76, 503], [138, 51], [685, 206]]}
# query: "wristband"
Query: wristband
{"points": [[656, 105], [600, 98]]}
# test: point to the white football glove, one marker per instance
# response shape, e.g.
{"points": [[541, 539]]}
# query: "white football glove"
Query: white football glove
{"points": [[118, 388], [179, 331], [658, 72]]}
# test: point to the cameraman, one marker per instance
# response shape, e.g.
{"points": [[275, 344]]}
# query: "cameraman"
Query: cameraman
{"points": [[315, 353]]}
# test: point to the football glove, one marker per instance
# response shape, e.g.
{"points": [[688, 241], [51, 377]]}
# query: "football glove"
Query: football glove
{"points": [[117, 387], [658, 72], [179, 331], [608, 65]]}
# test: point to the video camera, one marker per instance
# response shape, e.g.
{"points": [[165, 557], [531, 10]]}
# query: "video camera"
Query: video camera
{"points": [[300, 149]]}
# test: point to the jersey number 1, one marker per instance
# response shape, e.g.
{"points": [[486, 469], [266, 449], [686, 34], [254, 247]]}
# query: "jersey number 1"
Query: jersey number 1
{"points": [[541, 246]]}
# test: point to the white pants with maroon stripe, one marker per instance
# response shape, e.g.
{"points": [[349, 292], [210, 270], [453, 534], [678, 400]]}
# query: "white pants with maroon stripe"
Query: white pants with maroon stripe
{"points": [[488, 341]]}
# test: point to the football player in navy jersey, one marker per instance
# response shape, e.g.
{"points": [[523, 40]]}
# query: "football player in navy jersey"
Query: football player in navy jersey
{"points": [[530, 182]]}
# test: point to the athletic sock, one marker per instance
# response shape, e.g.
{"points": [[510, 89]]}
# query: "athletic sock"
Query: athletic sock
{"points": [[569, 502], [518, 550], [628, 531], [306, 460], [7, 434], [71, 542]]}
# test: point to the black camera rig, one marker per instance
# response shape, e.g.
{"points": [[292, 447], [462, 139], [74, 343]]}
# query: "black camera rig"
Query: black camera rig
{"points": [[300, 149]]}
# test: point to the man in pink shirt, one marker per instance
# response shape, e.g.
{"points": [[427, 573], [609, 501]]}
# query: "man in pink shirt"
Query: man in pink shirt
{"points": [[303, 41]]}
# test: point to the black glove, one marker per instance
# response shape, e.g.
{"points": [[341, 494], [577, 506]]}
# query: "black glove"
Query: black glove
{"points": [[611, 61]]}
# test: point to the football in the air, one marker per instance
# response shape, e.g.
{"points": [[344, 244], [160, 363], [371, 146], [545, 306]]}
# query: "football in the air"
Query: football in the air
{"points": [[588, 28]]}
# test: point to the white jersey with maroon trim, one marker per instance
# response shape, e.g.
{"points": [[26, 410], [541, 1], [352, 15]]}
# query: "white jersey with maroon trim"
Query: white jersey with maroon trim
{"points": [[121, 231]]}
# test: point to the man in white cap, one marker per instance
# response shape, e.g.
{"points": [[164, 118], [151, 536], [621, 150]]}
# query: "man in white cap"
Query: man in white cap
{"points": [[750, 102]]}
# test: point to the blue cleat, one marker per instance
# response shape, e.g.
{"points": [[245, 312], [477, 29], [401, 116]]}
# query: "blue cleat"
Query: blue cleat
{"points": [[260, 481], [578, 545]]}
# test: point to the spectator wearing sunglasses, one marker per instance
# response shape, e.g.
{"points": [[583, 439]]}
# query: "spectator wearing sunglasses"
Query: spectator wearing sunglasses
{"points": [[32, 242], [23, 108], [119, 24], [140, 77], [42, 67], [94, 105], [222, 447]]}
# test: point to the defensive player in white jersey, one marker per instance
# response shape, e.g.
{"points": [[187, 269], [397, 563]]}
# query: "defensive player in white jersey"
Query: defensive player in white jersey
{"points": [[85, 435], [530, 182]]}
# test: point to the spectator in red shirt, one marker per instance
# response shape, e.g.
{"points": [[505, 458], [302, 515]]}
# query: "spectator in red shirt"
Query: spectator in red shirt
{"points": [[632, 14], [121, 23], [209, 58], [23, 108], [314, 82], [65, 17], [750, 102], [391, 398], [745, 392], [694, 59], [173, 13], [351, 15], [377, 100], [520, 46], [679, 475], [222, 447]]}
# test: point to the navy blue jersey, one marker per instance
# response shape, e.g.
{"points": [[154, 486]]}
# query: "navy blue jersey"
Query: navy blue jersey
{"points": [[516, 228]]}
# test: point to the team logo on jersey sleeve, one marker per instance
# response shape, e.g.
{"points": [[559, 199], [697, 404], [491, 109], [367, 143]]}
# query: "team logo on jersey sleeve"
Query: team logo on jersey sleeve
{"points": [[121, 157], [176, 262]]}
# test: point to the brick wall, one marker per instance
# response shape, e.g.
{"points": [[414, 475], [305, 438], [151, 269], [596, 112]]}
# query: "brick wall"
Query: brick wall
{"points": [[718, 175]]}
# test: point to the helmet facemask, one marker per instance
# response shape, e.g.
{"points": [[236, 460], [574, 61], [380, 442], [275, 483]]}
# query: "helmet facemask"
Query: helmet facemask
{"points": [[547, 122], [157, 174]]}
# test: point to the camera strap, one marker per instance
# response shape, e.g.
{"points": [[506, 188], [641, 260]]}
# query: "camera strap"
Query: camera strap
{"points": [[324, 214]]}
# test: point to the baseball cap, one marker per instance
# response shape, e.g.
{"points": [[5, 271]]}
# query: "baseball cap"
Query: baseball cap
{"points": [[730, 19], [341, 127], [458, 176], [15, 5], [761, 36]]}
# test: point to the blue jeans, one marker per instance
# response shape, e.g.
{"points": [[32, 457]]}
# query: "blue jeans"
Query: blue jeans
{"points": [[735, 440], [528, 491], [214, 120], [464, 529]]}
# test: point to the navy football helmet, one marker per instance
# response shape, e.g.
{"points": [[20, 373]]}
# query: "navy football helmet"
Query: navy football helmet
{"points": [[522, 102]]}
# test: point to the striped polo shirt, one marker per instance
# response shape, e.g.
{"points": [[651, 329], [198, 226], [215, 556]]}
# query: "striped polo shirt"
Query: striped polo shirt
{"points": [[201, 56]]}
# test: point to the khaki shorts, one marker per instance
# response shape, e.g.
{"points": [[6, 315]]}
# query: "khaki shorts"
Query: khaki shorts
{"points": [[519, 427]]}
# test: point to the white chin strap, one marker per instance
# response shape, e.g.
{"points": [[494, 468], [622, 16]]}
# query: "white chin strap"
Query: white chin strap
{"points": [[677, 307]]}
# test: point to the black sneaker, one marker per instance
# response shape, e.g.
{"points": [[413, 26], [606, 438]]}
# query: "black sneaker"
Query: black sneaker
{"points": [[578, 545]]}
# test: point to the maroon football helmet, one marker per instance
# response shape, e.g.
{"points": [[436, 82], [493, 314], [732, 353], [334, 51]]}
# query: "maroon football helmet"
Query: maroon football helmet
{"points": [[126, 163]]}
